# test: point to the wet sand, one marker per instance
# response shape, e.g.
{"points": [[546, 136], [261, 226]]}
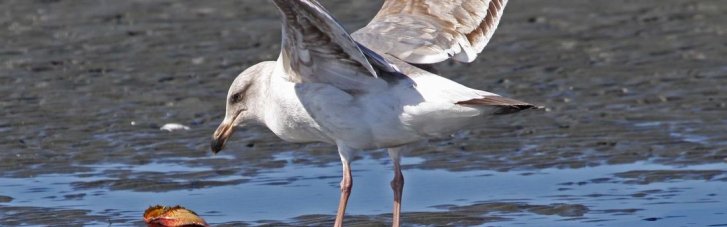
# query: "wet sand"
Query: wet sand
{"points": [[85, 86]]}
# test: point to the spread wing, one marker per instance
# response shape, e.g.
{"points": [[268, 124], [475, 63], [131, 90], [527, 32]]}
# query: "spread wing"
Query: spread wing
{"points": [[431, 31], [317, 49]]}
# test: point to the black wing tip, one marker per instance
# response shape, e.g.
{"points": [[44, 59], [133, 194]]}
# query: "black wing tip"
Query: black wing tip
{"points": [[505, 105], [516, 108]]}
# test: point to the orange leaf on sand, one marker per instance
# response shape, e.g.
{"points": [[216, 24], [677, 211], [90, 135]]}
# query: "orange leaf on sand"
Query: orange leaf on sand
{"points": [[172, 216]]}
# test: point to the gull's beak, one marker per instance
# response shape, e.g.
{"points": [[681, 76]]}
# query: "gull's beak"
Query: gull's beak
{"points": [[223, 132]]}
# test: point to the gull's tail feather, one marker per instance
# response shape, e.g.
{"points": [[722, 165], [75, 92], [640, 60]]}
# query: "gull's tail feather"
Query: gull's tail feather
{"points": [[505, 105]]}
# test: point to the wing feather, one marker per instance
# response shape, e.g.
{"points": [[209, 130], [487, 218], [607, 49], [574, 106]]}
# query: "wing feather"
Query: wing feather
{"points": [[317, 49], [505, 105], [431, 31]]}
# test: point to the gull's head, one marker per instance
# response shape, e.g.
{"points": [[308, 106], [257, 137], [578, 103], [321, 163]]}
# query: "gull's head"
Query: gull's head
{"points": [[242, 99]]}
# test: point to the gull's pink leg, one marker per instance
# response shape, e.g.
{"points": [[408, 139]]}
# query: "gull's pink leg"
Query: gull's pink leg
{"points": [[346, 184], [397, 185]]}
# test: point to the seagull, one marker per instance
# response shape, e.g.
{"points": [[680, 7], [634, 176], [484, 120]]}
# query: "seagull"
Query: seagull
{"points": [[369, 89]]}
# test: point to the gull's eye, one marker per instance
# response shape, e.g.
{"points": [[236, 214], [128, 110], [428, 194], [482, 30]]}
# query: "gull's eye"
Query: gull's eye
{"points": [[237, 97]]}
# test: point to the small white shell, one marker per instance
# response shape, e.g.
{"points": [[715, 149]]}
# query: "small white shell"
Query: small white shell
{"points": [[170, 127]]}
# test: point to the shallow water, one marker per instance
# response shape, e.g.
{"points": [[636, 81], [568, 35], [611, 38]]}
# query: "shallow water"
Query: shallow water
{"points": [[607, 195], [634, 134]]}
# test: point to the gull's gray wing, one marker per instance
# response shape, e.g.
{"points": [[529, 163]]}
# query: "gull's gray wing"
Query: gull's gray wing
{"points": [[431, 31], [317, 49]]}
